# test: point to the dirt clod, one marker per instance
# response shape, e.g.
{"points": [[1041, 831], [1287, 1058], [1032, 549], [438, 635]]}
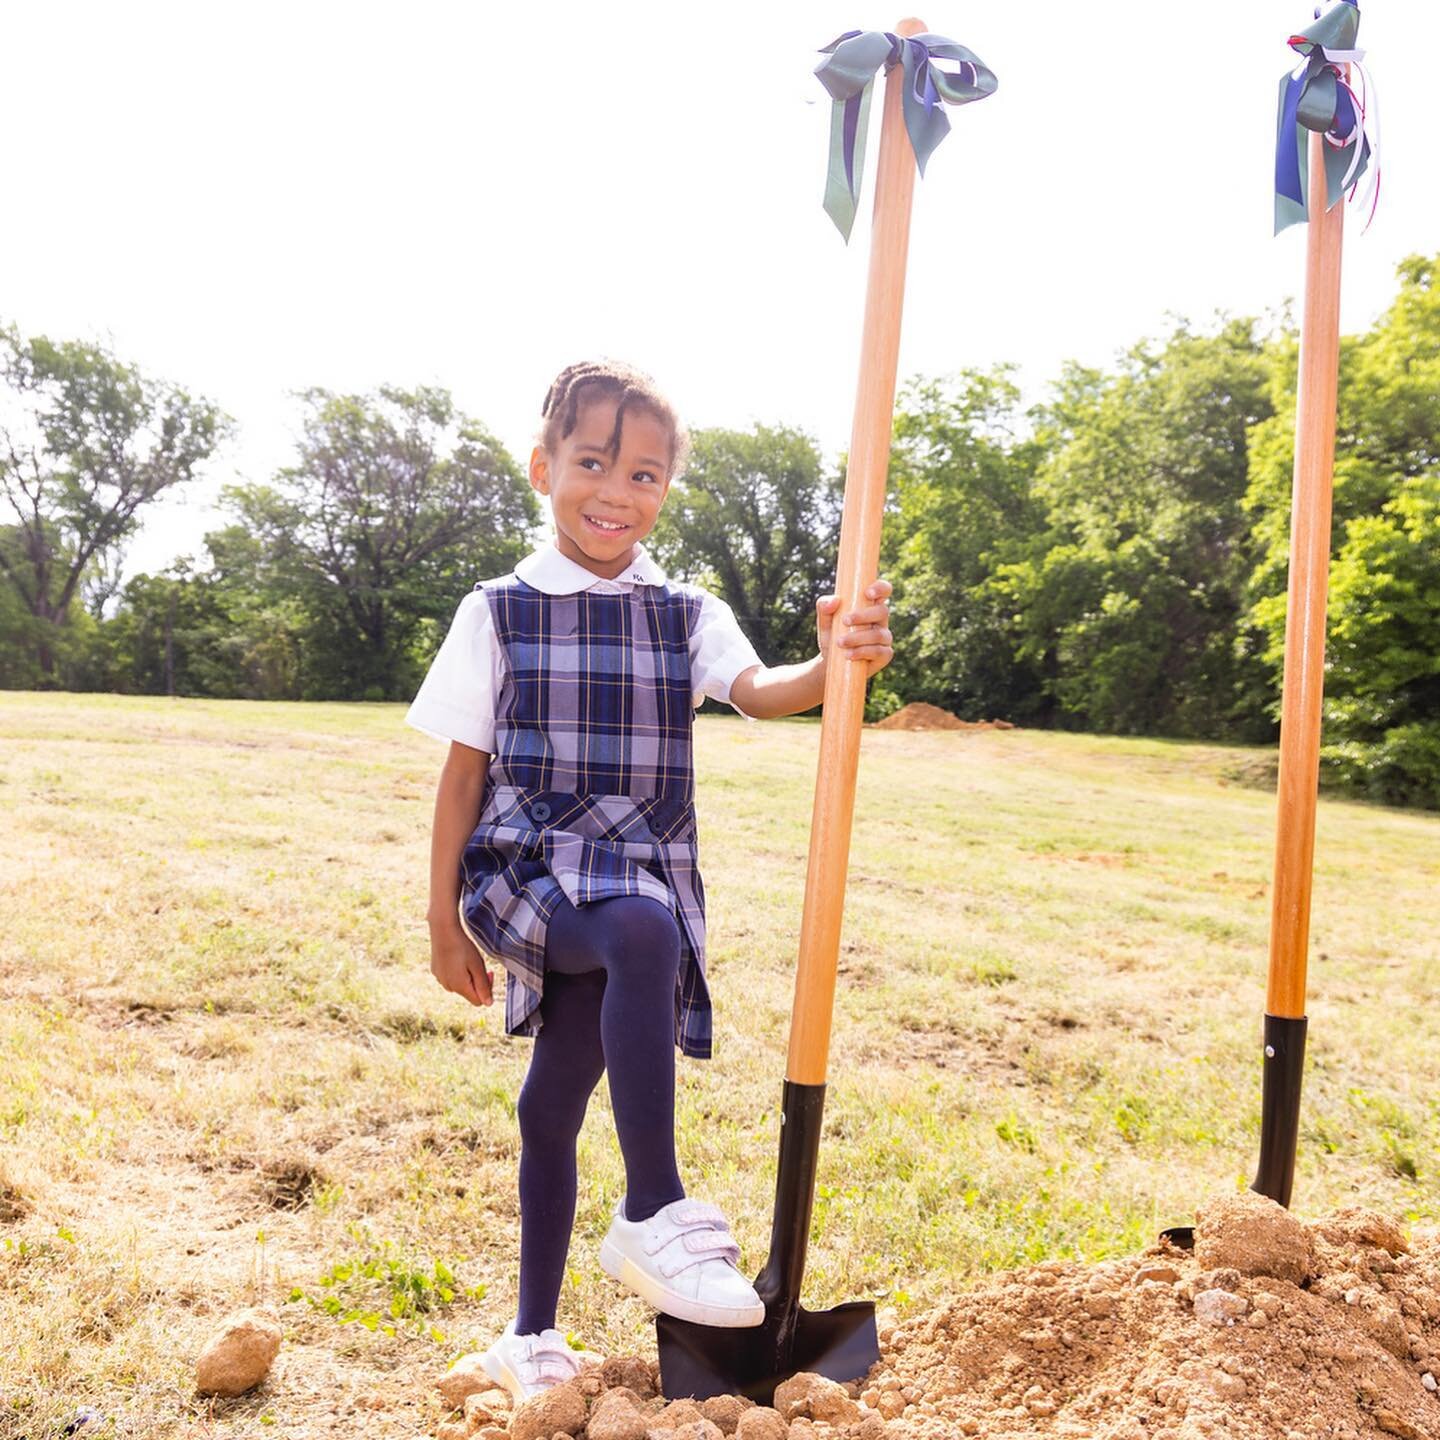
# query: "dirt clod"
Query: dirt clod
{"points": [[239, 1355], [1250, 1233], [761, 1423], [1220, 1307], [676, 1414], [726, 1410], [815, 1398], [1357, 1228], [1164, 1274], [561, 1409], [463, 1379], [616, 1416], [487, 1407], [630, 1371], [701, 1429]]}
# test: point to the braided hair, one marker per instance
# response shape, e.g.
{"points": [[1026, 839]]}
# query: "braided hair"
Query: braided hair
{"points": [[590, 380]]}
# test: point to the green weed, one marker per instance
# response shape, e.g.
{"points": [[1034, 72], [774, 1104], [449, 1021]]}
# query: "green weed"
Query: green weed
{"points": [[384, 1289]]}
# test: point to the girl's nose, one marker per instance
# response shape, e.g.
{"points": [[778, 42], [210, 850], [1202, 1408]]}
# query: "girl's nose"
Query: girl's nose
{"points": [[614, 491]]}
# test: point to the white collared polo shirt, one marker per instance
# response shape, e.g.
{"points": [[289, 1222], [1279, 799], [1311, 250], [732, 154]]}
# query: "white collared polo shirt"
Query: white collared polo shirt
{"points": [[456, 700]]}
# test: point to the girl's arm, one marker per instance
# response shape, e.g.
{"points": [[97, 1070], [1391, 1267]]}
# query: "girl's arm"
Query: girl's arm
{"points": [[454, 960], [769, 691]]}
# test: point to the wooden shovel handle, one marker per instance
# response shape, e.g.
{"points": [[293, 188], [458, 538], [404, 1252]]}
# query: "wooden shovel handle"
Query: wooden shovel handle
{"points": [[1305, 616], [858, 565]]}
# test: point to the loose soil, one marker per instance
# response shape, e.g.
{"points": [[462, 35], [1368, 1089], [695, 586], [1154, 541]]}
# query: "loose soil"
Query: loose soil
{"points": [[1271, 1328], [920, 716]]}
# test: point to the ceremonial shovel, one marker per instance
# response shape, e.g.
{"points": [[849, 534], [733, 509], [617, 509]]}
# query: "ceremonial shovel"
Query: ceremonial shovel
{"points": [[702, 1360], [1296, 787]]}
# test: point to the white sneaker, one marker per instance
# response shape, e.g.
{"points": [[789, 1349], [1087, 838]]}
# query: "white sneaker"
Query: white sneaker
{"points": [[682, 1260], [527, 1364]]}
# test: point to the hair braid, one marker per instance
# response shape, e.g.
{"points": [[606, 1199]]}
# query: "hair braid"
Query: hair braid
{"points": [[590, 380]]}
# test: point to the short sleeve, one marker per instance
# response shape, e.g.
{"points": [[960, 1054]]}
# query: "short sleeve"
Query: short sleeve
{"points": [[456, 700], [719, 651]]}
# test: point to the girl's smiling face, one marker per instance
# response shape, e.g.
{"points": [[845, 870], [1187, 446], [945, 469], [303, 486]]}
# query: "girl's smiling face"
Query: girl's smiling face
{"points": [[605, 496]]}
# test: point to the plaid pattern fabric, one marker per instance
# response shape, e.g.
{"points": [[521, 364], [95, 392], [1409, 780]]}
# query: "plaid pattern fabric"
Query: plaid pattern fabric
{"points": [[591, 790]]}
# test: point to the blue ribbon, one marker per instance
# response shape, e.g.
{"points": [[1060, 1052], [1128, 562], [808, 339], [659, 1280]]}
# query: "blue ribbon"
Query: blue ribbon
{"points": [[1315, 97], [848, 74]]}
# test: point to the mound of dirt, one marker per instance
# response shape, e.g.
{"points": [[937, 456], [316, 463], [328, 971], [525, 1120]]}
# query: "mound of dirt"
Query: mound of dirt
{"points": [[1163, 1348], [1271, 1329], [920, 716]]}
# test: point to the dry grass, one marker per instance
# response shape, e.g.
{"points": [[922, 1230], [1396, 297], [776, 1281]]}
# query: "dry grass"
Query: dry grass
{"points": [[225, 1070]]}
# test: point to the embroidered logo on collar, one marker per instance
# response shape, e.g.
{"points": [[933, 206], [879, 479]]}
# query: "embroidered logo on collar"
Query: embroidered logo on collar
{"points": [[546, 569]]}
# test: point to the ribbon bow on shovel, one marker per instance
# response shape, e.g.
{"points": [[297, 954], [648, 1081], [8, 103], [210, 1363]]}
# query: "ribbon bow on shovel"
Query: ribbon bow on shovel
{"points": [[849, 74], [1316, 95]]}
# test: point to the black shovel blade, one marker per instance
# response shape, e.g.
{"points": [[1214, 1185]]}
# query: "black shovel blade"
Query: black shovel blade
{"points": [[703, 1360], [841, 1344]]}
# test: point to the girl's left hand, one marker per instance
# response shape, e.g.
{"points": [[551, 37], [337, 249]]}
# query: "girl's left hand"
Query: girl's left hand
{"points": [[868, 637]]}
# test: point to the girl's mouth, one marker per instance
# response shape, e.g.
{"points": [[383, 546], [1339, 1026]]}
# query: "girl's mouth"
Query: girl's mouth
{"points": [[604, 527]]}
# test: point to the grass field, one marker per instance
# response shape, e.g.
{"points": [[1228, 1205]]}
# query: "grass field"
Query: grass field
{"points": [[226, 1075]]}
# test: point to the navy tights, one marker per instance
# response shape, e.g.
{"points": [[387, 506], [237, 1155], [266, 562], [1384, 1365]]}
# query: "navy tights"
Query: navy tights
{"points": [[608, 1005]]}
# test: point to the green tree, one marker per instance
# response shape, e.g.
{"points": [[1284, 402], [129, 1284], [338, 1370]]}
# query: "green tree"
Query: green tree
{"points": [[756, 519], [85, 442], [175, 633], [1382, 686], [397, 503], [961, 503], [1383, 712], [1129, 603]]}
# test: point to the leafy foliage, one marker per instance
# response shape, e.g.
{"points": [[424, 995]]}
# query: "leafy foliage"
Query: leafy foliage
{"points": [[86, 442], [1130, 597], [1114, 558], [397, 503], [1382, 685], [756, 519], [962, 504]]}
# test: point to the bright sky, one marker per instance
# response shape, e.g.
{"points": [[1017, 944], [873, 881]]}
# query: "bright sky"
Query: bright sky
{"points": [[253, 199]]}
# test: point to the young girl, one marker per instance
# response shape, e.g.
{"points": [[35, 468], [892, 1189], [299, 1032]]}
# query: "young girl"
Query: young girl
{"points": [[564, 843]]}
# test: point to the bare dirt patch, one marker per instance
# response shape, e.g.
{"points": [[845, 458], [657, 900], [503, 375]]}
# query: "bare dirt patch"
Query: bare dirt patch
{"points": [[992, 1057], [920, 716], [286, 1182], [14, 1203]]}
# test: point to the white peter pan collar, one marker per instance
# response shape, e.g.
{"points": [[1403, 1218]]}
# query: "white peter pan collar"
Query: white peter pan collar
{"points": [[548, 570]]}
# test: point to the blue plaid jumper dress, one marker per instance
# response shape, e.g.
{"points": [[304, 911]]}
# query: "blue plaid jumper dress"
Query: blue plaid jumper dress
{"points": [[590, 793]]}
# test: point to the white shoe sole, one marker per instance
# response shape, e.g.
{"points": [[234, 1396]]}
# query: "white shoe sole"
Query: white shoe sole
{"points": [[682, 1307], [504, 1376]]}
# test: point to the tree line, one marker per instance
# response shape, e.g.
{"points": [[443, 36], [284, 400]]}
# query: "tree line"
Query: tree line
{"points": [[1112, 558]]}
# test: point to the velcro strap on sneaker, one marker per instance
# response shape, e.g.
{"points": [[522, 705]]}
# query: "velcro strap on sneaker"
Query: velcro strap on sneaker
{"points": [[693, 1215], [699, 1212], [701, 1245], [706, 1242], [548, 1364]]}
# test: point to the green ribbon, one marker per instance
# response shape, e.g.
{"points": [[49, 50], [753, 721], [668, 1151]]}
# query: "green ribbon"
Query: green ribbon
{"points": [[848, 74]]}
